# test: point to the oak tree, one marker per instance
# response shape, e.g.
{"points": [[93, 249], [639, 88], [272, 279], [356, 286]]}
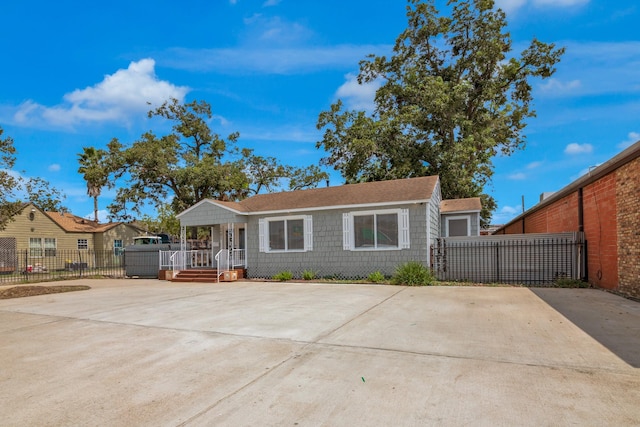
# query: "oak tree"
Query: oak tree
{"points": [[452, 96]]}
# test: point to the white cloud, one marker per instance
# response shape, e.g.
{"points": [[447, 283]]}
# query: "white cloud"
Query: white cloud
{"points": [[518, 176], [122, 94], [54, 167], [557, 87], [575, 148], [534, 165], [510, 6], [103, 216], [270, 60], [357, 96], [505, 214], [560, 3], [632, 138]]}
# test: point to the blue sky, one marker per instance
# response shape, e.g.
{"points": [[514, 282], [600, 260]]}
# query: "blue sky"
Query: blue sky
{"points": [[79, 74]]}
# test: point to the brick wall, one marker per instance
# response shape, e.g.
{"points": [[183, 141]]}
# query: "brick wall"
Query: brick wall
{"points": [[628, 219], [600, 228], [559, 217]]}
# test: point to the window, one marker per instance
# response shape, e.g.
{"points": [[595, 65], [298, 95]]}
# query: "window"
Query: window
{"points": [[83, 244], [377, 230], [39, 247], [49, 246], [117, 247], [286, 234], [35, 247], [458, 226]]}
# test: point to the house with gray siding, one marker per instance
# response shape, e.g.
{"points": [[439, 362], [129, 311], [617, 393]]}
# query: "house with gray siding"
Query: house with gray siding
{"points": [[346, 231]]}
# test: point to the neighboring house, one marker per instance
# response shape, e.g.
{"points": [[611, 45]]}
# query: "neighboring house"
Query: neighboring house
{"points": [[605, 205], [48, 235], [345, 231]]}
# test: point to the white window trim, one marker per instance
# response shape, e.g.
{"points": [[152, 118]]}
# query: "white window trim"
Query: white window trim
{"points": [[457, 217], [348, 235], [83, 249], [263, 231]]}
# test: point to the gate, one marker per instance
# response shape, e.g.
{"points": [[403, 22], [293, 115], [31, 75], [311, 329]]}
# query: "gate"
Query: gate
{"points": [[517, 258]]}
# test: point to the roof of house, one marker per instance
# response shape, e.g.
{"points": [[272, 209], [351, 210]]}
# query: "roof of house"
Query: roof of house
{"points": [[75, 224], [471, 204], [368, 193]]}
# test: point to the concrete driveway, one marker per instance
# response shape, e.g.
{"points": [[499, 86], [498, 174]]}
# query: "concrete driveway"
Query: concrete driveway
{"points": [[147, 352]]}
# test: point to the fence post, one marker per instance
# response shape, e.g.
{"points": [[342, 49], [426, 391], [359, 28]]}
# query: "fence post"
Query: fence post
{"points": [[497, 262]]}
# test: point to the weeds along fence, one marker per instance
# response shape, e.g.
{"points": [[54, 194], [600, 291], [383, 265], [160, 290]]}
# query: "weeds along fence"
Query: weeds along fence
{"points": [[23, 266], [529, 259]]}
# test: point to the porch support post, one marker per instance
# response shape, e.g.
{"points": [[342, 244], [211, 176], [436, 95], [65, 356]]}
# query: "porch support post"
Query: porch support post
{"points": [[183, 245]]}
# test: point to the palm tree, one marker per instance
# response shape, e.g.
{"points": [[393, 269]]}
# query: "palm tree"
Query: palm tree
{"points": [[92, 166]]}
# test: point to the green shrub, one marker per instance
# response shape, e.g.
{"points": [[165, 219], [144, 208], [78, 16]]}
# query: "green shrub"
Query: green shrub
{"points": [[412, 274], [283, 276], [565, 282], [376, 277], [308, 275]]}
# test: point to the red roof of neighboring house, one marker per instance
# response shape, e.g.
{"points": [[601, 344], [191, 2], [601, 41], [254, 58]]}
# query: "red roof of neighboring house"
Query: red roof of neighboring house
{"points": [[76, 224]]}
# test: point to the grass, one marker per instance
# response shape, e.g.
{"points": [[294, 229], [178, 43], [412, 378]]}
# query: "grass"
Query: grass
{"points": [[29, 291]]}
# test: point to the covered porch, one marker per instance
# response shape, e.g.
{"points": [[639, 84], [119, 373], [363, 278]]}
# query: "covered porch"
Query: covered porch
{"points": [[207, 257]]}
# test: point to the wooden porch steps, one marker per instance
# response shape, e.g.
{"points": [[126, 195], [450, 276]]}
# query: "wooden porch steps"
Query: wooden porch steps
{"points": [[201, 275], [197, 275]]}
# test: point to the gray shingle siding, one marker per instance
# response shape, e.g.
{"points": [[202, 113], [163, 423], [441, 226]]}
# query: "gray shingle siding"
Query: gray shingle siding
{"points": [[328, 257], [209, 214]]}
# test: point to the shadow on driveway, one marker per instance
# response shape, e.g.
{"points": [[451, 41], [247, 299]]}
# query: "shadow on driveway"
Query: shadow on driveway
{"points": [[610, 319]]}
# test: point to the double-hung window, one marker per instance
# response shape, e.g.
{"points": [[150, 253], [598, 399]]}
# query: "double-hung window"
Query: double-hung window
{"points": [[117, 247], [83, 244], [39, 247], [376, 230], [286, 234]]}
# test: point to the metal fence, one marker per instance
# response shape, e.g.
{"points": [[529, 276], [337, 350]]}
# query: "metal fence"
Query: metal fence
{"points": [[530, 259], [23, 266]]}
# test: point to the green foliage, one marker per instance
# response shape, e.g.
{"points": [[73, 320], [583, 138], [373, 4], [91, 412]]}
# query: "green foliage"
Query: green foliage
{"points": [[40, 192], [412, 274], [376, 277], [570, 283], [164, 222], [95, 171], [16, 190], [308, 275], [283, 276], [186, 165], [8, 182], [453, 95]]}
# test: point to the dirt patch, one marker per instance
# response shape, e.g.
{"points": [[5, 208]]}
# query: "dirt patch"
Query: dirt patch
{"points": [[29, 291]]}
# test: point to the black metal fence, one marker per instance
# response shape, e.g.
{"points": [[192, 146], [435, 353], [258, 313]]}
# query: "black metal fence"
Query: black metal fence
{"points": [[22, 266], [529, 259]]}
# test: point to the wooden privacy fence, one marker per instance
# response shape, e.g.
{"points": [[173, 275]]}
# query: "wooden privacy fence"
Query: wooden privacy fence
{"points": [[528, 259]]}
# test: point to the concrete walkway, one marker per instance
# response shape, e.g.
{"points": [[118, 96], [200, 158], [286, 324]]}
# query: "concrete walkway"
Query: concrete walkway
{"points": [[147, 352]]}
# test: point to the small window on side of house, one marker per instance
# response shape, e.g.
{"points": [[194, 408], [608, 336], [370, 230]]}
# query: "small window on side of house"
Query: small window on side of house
{"points": [[83, 244], [458, 226]]}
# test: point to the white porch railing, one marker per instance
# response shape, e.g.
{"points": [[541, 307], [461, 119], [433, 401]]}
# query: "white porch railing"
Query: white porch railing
{"points": [[238, 258], [181, 260], [222, 261]]}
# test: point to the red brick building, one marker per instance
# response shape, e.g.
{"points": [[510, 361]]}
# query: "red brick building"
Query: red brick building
{"points": [[605, 204]]}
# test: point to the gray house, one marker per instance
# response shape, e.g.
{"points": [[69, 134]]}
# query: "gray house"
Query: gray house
{"points": [[345, 231]]}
